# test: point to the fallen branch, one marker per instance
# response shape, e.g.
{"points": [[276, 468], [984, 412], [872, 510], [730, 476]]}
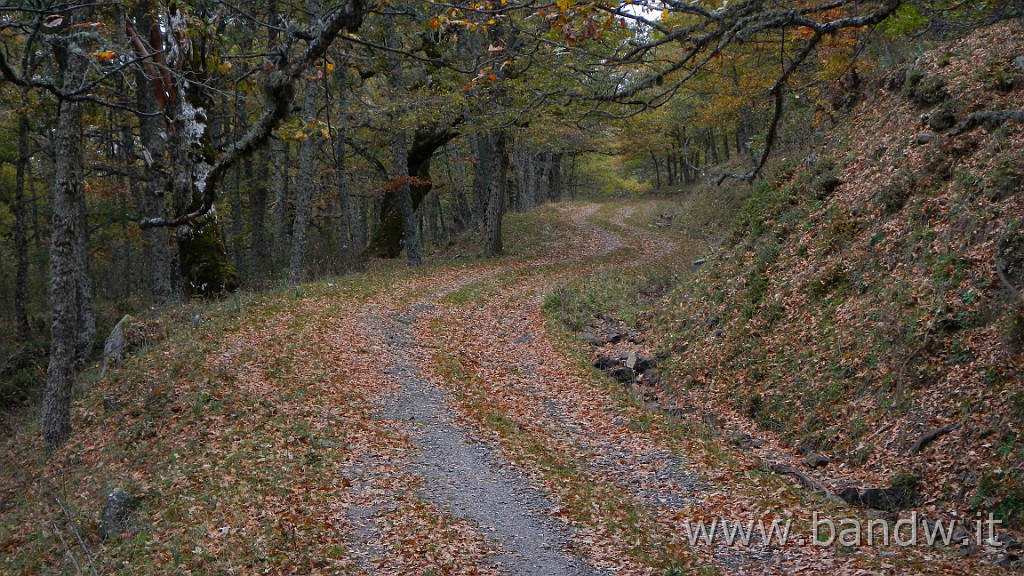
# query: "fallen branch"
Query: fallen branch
{"points": [[930, 436], [783, 469]]}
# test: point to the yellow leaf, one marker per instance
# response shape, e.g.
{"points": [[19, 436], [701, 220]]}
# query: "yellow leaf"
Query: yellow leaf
{"points": [[106, 56]]}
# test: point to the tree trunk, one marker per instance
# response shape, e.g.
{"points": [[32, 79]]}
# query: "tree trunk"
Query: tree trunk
{"points": [[555, 178], [491, 171], [281, 157], [304, 194], [657, 171], [258, 211], [156, 242], [65, 275], [20, 234], [387, 238], [403, 198]]}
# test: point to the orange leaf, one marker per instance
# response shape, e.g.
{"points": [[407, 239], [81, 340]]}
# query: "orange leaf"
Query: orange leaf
{"points": [[106, 56]]}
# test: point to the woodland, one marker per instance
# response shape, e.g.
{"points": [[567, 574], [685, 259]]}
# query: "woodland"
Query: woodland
{"points": [[731, 205]]}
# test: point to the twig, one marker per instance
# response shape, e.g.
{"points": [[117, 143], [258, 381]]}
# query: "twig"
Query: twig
{"points": [[67, 549], [78, 536]]}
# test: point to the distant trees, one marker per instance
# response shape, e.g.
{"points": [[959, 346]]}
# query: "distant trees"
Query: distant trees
{"points": [[270, 142]]}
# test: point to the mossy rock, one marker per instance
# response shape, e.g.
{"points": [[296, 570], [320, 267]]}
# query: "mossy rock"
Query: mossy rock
{"points": [[204, 261], [923, 90]]}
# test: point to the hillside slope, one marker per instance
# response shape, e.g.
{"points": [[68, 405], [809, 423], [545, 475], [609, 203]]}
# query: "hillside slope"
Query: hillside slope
{"points": [[872, 293]]}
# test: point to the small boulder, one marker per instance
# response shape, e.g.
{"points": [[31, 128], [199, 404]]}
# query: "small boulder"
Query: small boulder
{"points": [[941, 121], [623, 374], [645, 363], [1019, 61], [606, 363], [890, 499], [650, 377], [590, 338], [116, 344], [926, 138], [1007, 561], [816, 460], [116, 513]]}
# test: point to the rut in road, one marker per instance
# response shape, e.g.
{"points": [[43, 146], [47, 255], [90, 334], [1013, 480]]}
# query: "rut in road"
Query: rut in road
{"points": [[505, 343]]}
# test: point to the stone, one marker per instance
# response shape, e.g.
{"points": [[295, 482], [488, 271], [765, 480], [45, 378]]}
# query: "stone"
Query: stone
{"points": [[623, 374], [115, 345], [116, 513], [645, 363], [605, 363], [677, 412], [890, 499], [631, 359], [524, 339], [713, 420], [1007, 561], [699, 262], [1019, 61], [590, 338], [816, 460], [742, 440], [650, 377], [926, 137], [941, 120]]}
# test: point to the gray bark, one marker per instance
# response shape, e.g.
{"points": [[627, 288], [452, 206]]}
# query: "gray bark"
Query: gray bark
{"points": [[304, 193], [155, 241], [555, 178], [410, 231], [491, 172], [20, 233], [260, 250], [65, 275], [280, 156]]}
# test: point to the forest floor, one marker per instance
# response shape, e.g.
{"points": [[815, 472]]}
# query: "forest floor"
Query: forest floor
{"points": [[428, 421]]}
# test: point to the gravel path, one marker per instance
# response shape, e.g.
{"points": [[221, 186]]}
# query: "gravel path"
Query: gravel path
{"points": [[468, 478]]}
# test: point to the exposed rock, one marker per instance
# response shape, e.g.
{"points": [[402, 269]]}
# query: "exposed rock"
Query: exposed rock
{"points": [[889, 499], [116, 344], [631, 361], [1019, 61], [1008, 542], [650, 377], [645, 363], [1007, 561], [606, 363], [713, 420], [623, 374], [590, 338], [926, 137], [816, 460], [940, 121], [742, 440], [699, 263], [116, 513], [677, 412]]}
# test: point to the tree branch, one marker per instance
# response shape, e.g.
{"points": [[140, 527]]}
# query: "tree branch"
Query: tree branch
{"points": [[280, 91]]}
